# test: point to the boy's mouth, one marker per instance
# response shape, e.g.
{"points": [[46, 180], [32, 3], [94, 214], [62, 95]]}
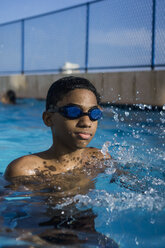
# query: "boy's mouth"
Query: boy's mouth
{"points": [[84, 136]]}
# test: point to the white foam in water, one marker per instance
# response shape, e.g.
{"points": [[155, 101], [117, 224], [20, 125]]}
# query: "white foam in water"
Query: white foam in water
{"points": [[122, 201]]}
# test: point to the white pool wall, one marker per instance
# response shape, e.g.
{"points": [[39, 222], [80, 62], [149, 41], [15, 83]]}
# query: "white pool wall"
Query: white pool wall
{"points": [[135, 87]]}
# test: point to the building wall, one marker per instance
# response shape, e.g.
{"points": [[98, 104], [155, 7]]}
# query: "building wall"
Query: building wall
{"points": [[145, 87]]}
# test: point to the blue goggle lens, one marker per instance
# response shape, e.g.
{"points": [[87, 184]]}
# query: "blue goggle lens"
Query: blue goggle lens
{"points": [[72, 112], [95, 114]]}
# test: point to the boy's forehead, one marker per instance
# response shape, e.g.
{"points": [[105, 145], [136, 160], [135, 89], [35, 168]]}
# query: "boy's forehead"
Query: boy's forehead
{"points": [[79, 96]]}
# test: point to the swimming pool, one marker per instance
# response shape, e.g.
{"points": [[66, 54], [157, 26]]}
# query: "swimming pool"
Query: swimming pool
{"points": [[127, 209]]}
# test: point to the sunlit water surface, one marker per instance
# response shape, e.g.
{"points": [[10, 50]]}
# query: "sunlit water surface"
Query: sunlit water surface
{"points": [[128, 208]]}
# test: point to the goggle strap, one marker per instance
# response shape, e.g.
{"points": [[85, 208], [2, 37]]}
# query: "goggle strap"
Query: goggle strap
{"points": [[54, 109]]}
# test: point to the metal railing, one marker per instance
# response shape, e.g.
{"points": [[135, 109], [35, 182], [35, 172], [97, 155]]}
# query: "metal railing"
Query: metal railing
{"points": [[102, 35]]}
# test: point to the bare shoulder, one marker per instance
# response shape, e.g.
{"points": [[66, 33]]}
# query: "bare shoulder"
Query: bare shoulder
{"points": [[23, 166], [96, 153]]}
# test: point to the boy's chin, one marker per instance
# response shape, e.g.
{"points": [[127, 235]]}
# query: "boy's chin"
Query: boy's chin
{"points": [[81, 144], [76, 144]]}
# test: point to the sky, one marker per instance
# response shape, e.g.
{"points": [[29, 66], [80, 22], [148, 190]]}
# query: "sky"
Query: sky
{"points": [[11, 10], [119, 34]]}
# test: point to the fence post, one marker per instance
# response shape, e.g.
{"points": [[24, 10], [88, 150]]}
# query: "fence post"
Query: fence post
{"points": [[153, 34], [22, 46], [87, 37]]}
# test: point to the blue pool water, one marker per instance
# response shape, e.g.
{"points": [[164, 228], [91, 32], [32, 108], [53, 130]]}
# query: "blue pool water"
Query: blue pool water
{"points": [[128, 209]]}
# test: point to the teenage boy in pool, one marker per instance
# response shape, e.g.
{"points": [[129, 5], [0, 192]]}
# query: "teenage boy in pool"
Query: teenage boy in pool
{"points": [[72, 112]]}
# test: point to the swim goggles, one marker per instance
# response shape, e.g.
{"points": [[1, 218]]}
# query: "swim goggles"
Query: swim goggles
{"points": [[73, 111]]}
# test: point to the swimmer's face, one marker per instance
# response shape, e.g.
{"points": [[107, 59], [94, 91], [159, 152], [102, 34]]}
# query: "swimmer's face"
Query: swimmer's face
{"points": [[77, 133]]}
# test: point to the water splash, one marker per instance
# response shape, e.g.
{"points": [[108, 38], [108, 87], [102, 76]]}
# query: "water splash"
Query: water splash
{"points": [[104, 148]]}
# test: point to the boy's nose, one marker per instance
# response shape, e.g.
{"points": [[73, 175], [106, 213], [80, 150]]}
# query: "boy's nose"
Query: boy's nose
{"points": [[84, 121]]}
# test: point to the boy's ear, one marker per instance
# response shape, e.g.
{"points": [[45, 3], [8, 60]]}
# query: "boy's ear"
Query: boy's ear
{"points": [[47, 118]]}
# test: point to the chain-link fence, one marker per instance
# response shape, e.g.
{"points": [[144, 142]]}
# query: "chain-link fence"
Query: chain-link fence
{"points": [[97, 36]]}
